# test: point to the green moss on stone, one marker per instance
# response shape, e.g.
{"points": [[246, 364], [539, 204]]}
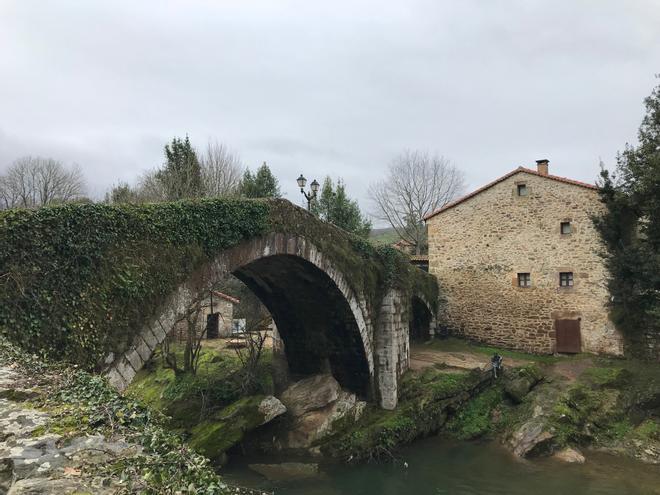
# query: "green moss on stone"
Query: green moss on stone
{"points": [[475, 419], [226, 428]]}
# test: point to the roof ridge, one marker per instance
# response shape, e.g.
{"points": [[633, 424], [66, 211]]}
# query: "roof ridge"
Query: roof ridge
{"points": [[503, 178]]}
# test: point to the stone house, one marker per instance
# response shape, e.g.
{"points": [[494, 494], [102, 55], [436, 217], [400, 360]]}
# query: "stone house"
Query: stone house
{"points": [[518, 265], [218, 307]]}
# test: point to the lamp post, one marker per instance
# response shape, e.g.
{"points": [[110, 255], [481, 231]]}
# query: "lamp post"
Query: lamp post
{"points": [[311, 195]]}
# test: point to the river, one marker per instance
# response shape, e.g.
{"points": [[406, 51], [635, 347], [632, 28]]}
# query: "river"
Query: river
{"points": [[438, 466]]}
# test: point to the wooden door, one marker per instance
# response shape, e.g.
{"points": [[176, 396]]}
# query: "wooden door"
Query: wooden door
{"points": [[568, 335], [212, 322]]}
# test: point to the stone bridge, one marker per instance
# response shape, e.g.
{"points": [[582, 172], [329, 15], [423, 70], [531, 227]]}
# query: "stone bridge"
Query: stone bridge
{"points": [[340, 304]]}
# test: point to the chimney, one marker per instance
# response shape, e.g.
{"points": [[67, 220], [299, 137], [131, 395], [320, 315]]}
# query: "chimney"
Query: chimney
{"points": [[542, 166]]}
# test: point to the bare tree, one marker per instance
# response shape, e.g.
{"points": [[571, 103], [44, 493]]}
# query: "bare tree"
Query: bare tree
{"points": [[194, 333], [150, 188], [417, 184], [33, 181], [221, 170], [250, 354]]}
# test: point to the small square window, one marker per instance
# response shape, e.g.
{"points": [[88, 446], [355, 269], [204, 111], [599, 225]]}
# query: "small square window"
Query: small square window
{"points": [[522, 190], [566, 227], [524, 280], [566, 279]]}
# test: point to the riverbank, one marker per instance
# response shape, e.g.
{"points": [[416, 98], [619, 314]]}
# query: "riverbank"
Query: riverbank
{"points": [[542, 406], [557, 405], [66, 431]]}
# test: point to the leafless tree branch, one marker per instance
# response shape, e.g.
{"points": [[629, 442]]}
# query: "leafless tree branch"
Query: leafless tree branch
{"points": [[417, 184]]}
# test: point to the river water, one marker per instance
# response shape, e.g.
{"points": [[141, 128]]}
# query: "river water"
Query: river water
{"points": [[438, 466]]}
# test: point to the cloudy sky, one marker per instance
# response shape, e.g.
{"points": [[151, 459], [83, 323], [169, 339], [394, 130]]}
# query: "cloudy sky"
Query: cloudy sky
{"points": [[326, 88]]}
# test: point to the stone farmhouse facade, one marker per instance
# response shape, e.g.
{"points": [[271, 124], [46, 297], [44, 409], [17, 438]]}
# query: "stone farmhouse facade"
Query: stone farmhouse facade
{"points": [[219, 304], [518, 265]]}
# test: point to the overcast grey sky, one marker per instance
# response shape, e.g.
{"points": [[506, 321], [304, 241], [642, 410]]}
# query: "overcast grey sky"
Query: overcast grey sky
{"points": [[326, 88]]}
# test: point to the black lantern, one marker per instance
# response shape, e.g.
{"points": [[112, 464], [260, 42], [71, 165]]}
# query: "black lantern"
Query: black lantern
{"points": [[311, 195], [301, 182]]}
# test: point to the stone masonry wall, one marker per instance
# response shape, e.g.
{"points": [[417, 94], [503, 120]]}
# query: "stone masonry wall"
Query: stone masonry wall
{"points": [[391, 347], [477, 248]]}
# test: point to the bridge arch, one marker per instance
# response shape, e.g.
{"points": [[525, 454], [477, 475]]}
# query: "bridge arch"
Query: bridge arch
{"points": [[422, 318], [324, 324]]}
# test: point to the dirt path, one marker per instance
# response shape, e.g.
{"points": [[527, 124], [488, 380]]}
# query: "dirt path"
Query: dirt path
{"points": [[423, 356]]}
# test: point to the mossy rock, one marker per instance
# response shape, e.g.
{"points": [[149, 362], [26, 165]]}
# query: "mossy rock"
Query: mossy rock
{"points": [[214, 436], [520, 381], [427, 400]]}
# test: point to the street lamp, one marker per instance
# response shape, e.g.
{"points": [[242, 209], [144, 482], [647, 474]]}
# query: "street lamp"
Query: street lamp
{"points": [[310, 196]]}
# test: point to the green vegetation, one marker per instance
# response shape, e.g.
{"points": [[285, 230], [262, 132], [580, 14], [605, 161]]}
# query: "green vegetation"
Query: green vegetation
{"points": [[83, 403], [76, 280], [475, 419], [334, 206], [217, 434], [262, 184], [387, 236], [208, 408], [181, 178], [427, 400], [630, 229], [188, 399]]}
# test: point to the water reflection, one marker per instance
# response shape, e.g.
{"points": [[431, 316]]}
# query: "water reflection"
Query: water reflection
{"points": [[438, 466]]}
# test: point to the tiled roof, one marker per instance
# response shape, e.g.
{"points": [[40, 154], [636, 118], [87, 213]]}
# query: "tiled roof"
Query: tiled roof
{"points": [[221, 295], [503, 178]]}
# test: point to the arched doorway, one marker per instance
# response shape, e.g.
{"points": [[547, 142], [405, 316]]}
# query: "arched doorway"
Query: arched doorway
{"points": [[420, 320]]}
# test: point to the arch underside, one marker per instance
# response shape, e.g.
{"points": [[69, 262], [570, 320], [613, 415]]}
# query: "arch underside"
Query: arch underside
{"points": [[313, 317], [421, 319]]}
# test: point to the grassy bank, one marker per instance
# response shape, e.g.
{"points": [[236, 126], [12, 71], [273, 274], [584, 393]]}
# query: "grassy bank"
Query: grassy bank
{"points": [[427, 400], [198, 406]]}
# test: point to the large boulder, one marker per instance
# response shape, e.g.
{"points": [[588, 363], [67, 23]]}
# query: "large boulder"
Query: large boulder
{"points": [[311, 393], [226, 428], [318, 423], [532, 438], [519, 382], [569, 454], [271, 407]]}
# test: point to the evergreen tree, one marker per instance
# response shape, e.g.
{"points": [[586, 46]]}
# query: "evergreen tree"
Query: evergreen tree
{"points": [[334, 206], [630, 229], [182, 175], [263, 184]]}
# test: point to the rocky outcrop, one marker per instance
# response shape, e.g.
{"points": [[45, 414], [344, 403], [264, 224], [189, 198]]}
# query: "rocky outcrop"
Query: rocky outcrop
{"points": [[34, 463], [315, 405], [519, 382], [532, 438], [314, 425], [217, 434], [311, 393], [271, 407], [570, 455], [535, 435]]}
